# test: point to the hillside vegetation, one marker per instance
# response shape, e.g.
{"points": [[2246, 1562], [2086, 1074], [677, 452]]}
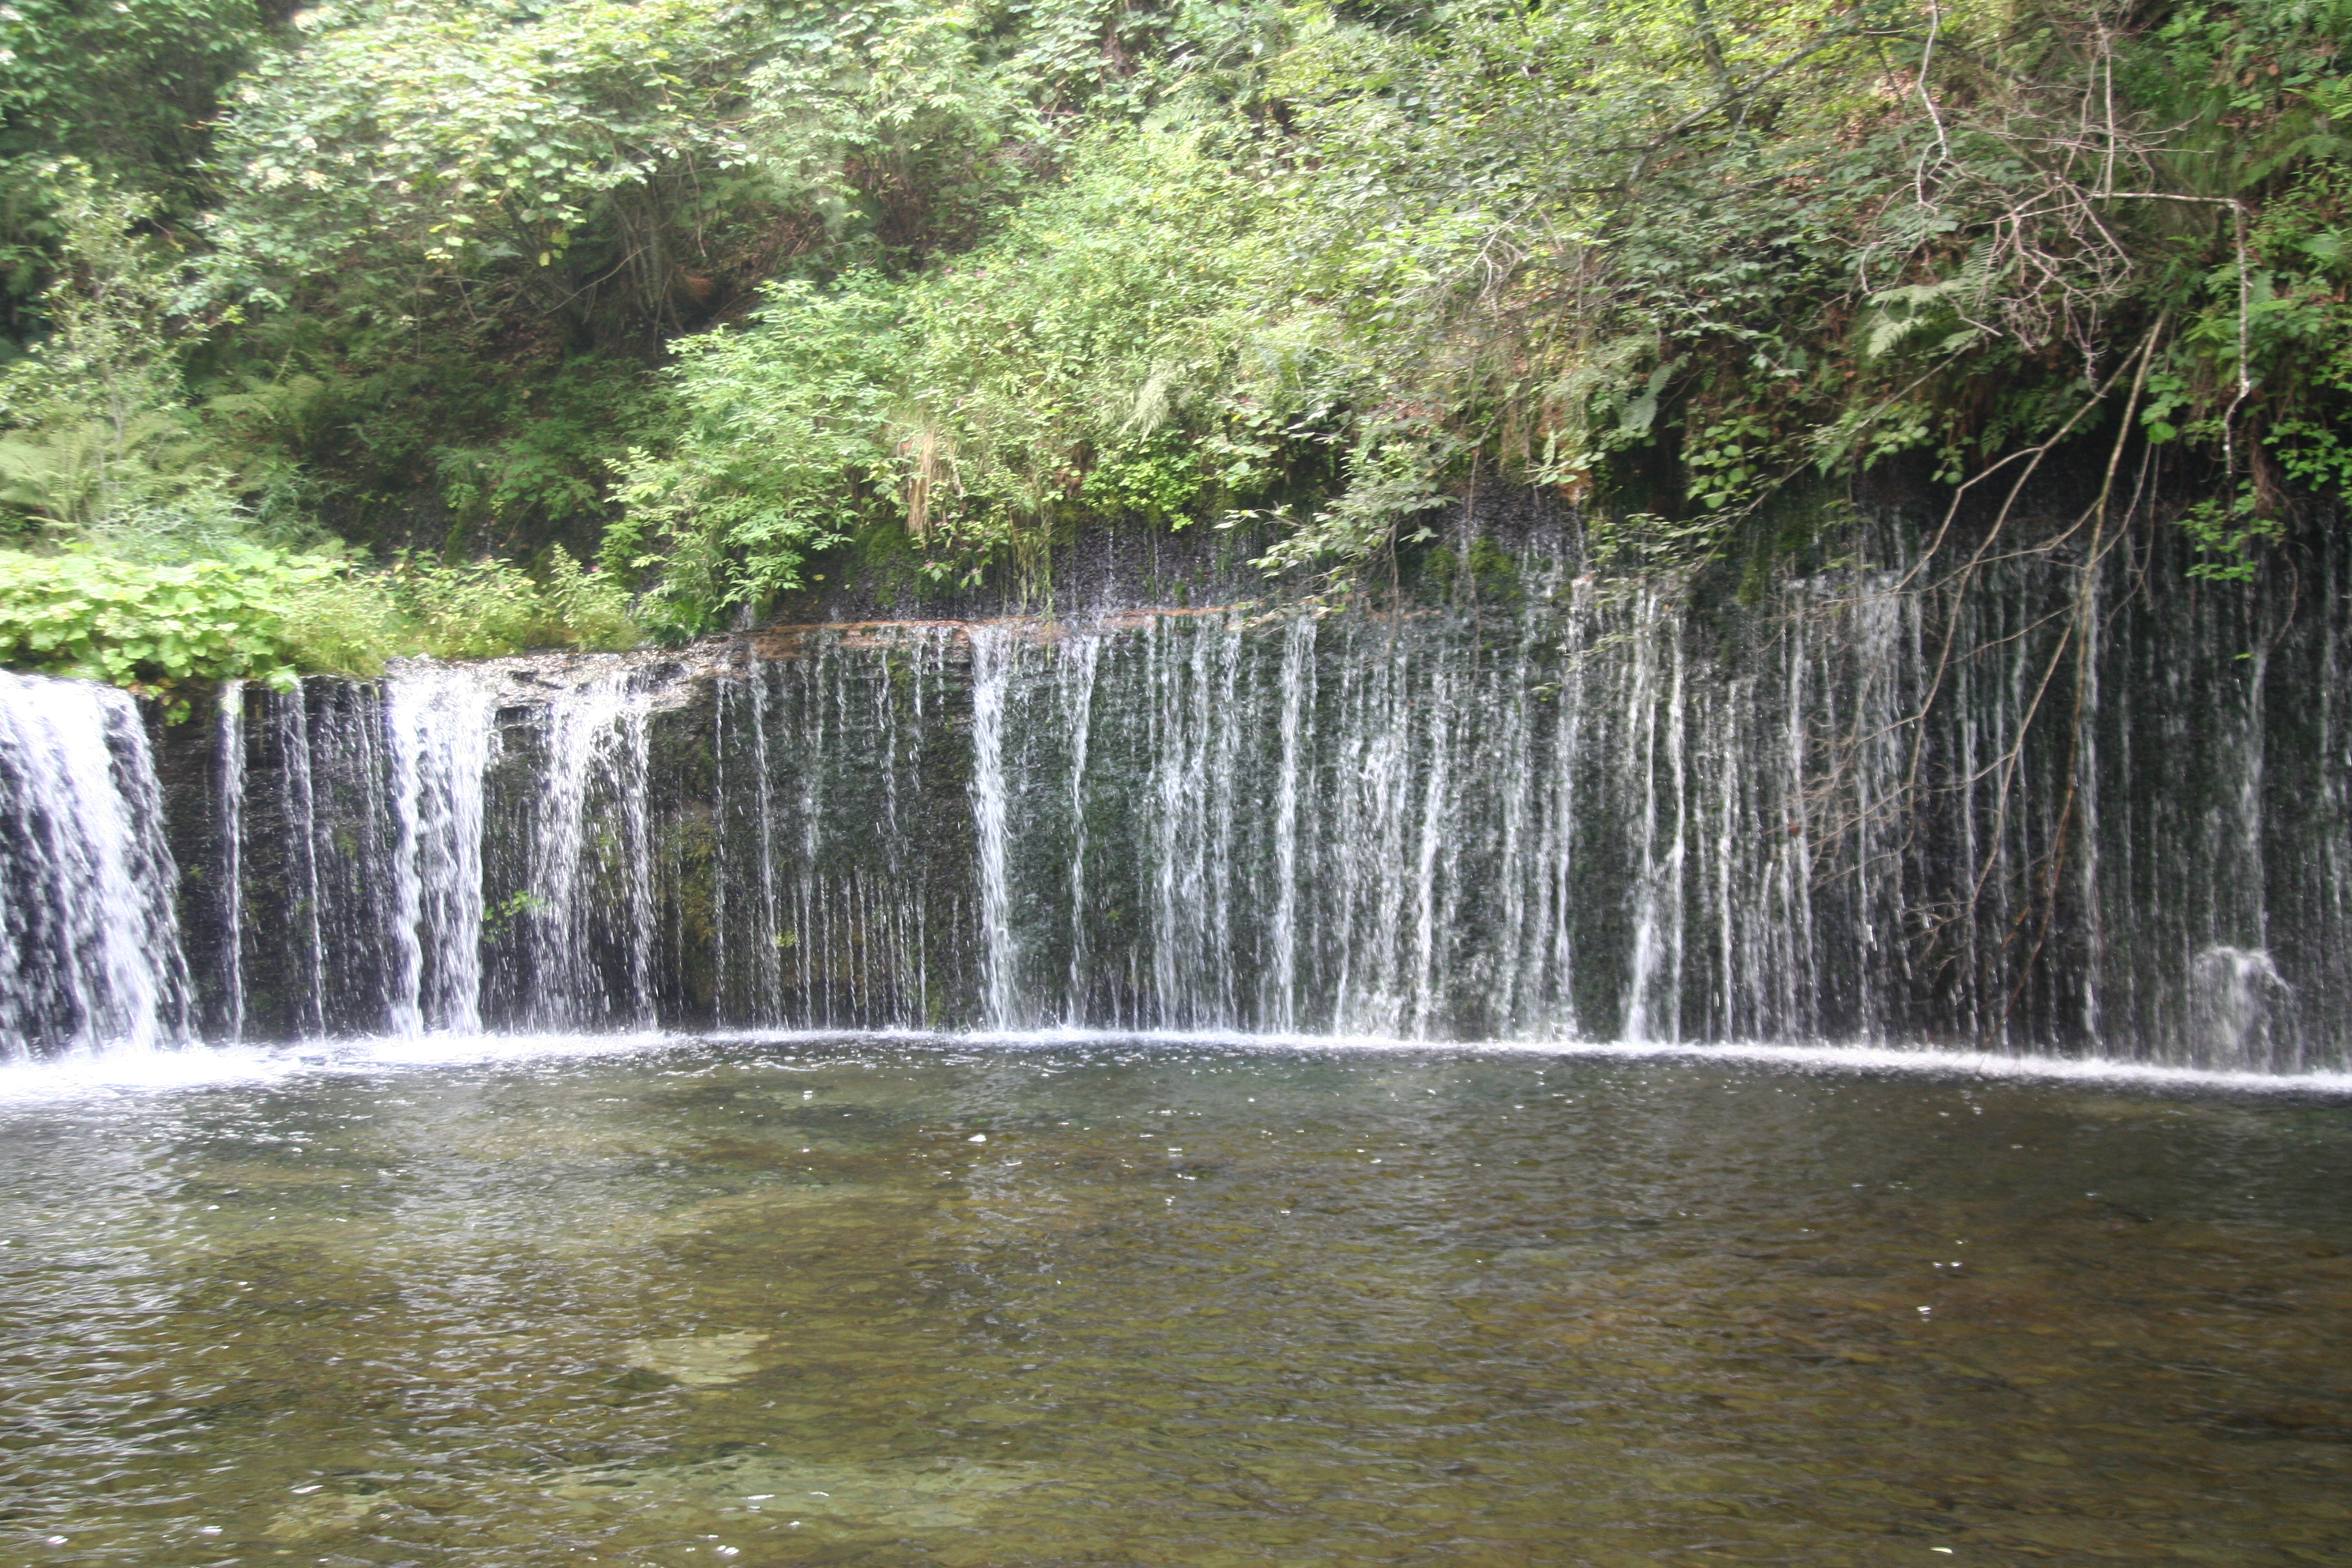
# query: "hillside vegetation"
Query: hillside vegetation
{"points": [[438, 325]]}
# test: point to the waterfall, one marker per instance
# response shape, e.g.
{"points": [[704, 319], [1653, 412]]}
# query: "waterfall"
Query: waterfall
{"points": [[318, 890], [833, 861], [1657, 960], [1567, 808], [1581, 816], [229, 736], [587, 905], [992, 668], [92, 958], [439, 725], [1085, 656], [1296, 683]]}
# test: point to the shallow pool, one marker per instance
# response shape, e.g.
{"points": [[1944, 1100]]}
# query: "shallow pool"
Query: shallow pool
{"points": [[884, 1302]]}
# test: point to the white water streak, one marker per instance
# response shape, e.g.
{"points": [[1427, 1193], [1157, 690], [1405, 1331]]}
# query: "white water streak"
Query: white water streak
{"points": [[993, 655], [439, 724], [228, 730], [92, 960]]}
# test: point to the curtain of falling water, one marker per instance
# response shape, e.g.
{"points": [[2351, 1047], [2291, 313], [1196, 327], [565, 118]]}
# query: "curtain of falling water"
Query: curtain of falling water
{"points": [[586, 902], [1568, 809], [1584, 814], [229, 726], [92, 957], [850, 784], [417, 859], [441, 746], [991, 648]]}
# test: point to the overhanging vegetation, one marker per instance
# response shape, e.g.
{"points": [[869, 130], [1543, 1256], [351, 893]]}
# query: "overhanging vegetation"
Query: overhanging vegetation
{"points": [[701, 293]]}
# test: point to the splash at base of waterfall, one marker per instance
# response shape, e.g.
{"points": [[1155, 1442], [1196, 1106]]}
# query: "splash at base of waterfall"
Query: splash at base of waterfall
{"points": [[105, 1075]]}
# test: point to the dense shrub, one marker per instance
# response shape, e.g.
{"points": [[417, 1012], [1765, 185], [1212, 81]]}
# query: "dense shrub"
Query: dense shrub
{"points": [[702, 292]]}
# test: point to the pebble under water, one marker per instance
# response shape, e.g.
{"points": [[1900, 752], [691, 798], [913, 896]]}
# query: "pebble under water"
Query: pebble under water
{"points": [[869, 1301]]}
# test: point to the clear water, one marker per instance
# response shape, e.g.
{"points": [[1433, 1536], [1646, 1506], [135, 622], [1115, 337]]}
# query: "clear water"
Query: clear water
{"points": [[866, 1300]]}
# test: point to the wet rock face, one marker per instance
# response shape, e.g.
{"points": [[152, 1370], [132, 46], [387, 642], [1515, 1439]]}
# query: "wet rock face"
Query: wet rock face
{"points": [[200, 786]]}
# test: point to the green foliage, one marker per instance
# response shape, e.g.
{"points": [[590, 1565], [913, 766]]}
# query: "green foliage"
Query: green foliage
{"points": [[92, 429], [1752, 247], [499, 915], [271, 616], [455, 233], [620, 166], [786, 426], [1092, 336], [703, 291], [1058, 374], [148, 626], [480, 608], [473, 142], [125, 88], [548, 469], [466, 612], [1749, 250], [158, 569], [2226, 533], [1158, 481]]}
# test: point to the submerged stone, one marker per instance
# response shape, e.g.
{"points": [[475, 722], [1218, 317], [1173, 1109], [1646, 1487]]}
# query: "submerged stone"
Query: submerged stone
{"points": [[704, 1361]]}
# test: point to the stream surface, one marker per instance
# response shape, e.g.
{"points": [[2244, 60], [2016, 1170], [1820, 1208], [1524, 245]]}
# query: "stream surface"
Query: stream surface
{"points": [[900, 1300]]}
